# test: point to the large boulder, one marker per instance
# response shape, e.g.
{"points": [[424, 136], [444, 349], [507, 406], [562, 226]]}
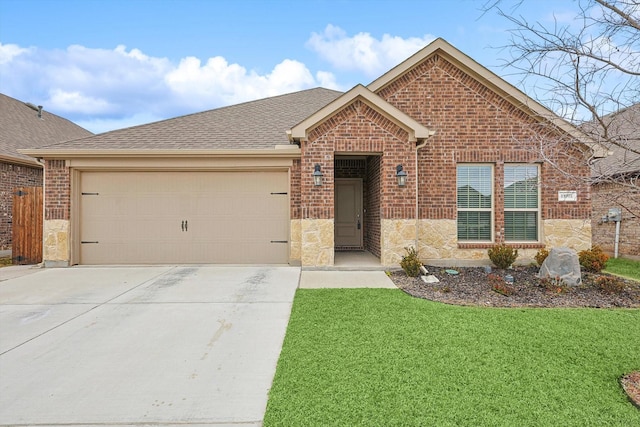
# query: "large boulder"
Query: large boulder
{"points": [[562, 263]]}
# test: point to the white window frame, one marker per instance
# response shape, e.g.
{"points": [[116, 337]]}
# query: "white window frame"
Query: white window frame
{"points": [[538, 210], [491, 210]]}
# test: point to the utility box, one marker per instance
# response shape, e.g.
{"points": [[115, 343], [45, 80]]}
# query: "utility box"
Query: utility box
{"points": [[614, 215]]}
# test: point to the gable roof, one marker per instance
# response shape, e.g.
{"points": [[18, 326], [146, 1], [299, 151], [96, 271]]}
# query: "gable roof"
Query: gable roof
{"points": [[20, 128], [624, 126], [416, 130], [253, 125], [509, 92]]}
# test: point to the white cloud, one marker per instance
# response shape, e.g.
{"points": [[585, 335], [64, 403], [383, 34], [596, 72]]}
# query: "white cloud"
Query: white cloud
{"points": [[219, 83], [9, 51], [104, 89], [70, 102], [363, 52]]}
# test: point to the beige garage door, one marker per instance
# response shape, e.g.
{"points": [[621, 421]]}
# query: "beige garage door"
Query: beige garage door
{"points": [[184, 217]]}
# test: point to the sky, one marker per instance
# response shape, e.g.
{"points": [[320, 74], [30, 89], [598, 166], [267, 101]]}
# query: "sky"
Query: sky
{"points": [[110, 64]]}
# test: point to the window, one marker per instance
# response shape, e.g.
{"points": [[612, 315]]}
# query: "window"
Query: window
{"points": [[521, 203], [475, 183]]}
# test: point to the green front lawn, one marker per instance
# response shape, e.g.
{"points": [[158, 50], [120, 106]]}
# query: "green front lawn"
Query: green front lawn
{"points": [[365, 357], [623, 267]]}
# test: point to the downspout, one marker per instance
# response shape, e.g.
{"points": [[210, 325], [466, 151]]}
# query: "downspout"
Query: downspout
{"points": [[44, 194]]}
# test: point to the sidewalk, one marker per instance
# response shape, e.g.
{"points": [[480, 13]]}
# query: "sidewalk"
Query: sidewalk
{"points": [[345, 279]]}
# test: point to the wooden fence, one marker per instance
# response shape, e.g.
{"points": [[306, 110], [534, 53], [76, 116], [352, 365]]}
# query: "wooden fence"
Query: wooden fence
{"points": [[27, 225]]}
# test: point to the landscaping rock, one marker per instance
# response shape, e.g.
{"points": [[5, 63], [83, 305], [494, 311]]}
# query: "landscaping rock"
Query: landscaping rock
{"points": [[562, 263], [430, 279]]}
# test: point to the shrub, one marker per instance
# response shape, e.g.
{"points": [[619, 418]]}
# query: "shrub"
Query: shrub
{"points": [[554, 284], [498, 285], [593, 260], [502, 256], [541, 255], [410, 263], [610, 284]]}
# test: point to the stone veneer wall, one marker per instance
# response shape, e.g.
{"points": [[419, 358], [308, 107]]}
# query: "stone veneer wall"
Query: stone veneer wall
{"points": [[295, 238], [317, 242], [438, 243], [13, 176], [56, 250], [57, 210]]}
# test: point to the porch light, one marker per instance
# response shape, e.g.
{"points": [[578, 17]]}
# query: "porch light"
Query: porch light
{"points": [[401, 175], [317, 175]]}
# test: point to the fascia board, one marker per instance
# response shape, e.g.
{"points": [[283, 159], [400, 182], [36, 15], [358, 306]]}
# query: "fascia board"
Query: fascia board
{"points": [[293, 152], [20, 161]]}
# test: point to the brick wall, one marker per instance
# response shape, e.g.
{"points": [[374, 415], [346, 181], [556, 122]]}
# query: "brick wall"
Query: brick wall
{"points": [[473, 124], [294, 190], [609, 195], [372, 206], [57, 202], [360, 129], [13, 176]]}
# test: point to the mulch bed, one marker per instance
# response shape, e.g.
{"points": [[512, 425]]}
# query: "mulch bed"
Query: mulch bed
{"points": [[473, 286]]}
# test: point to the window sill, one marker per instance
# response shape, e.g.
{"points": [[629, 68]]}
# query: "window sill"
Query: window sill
{"points": [[487, 245]]}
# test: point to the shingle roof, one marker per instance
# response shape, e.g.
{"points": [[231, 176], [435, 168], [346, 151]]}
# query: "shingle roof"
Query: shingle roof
{"points": [[260, 124], [20, 127], [624, 126]]}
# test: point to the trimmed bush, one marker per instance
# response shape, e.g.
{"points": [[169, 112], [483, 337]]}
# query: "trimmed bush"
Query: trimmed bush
{"points": [[502, 256], [593, 260], [541, 255], [411, 263], [610, 284]]}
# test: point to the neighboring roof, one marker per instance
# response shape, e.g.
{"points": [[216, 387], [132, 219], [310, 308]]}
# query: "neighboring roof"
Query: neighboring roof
{"points": [[624, 128], [493, 81], [20, 128], [416, 130], [254, 125]]}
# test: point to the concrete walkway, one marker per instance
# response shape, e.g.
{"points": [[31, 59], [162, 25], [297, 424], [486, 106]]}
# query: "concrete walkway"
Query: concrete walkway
{"points": [[345, 279]]}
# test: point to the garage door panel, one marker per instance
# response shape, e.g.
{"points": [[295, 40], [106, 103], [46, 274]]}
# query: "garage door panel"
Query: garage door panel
{"points": [[183, 217]]}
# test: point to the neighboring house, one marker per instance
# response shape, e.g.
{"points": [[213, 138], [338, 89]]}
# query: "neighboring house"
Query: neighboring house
{"points": [[295, 178], [617, 185], [24, 125]]}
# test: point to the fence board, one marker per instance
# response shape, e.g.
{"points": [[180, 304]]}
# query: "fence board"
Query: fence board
{"points": [[27, 225]]}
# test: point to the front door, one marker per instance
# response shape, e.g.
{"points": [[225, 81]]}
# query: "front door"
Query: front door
{"points": [[348, 213]]}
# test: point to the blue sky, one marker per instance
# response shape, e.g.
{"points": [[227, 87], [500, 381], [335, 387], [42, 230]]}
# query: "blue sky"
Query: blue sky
{"points": [[108, 64]]}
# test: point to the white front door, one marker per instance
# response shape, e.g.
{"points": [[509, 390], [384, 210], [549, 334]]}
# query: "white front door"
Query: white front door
{"points": [[348, 213]]}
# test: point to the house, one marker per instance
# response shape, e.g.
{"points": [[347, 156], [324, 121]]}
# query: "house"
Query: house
{"points": [[24, 125], [617, 186], [421, 157]]}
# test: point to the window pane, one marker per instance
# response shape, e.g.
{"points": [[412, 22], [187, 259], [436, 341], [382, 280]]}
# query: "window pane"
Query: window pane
{"points": [[521, 226], [474, 187], [520, 187], [474, 225]]}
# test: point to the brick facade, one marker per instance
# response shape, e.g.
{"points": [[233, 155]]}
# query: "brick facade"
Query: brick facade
{"points": [[475, 125], [609, 195], [357, 129], [13, 176], [57, 203]]}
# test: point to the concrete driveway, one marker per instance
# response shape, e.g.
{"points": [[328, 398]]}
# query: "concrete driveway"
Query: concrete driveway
{"points": [[142, 345]]}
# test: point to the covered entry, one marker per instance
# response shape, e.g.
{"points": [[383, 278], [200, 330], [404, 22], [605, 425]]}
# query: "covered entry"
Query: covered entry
{"points": [[357, 203], [183, 217]]}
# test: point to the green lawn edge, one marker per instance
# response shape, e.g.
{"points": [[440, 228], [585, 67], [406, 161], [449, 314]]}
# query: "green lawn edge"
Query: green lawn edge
{"points": [[380, 357]]}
